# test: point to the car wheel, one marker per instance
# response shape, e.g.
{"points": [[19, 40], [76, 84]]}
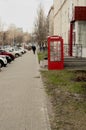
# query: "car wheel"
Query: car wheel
{"points": [[5, 65], [1, 63], [16, 55]]}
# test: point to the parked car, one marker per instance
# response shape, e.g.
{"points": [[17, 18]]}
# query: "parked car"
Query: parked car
{"points": [[14, 52], [3, 61], [17, 52], [8, 58], [3, 52], [23, 51]]}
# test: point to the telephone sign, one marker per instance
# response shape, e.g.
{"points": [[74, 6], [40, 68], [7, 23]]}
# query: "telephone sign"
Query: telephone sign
{"points": [[55, 53]]}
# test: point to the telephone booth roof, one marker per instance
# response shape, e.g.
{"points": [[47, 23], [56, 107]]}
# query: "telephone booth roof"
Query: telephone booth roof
{"points": [[55, 37]]}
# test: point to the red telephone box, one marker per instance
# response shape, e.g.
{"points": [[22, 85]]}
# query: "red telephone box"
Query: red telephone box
{"points": [[55, 53]]}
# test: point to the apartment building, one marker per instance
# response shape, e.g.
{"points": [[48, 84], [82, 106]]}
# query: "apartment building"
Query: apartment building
{"points": [[70, 23], [51, 21]]}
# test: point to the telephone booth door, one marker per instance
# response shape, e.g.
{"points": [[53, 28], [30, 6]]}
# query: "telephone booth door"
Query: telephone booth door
{"points": [[55, 53]]}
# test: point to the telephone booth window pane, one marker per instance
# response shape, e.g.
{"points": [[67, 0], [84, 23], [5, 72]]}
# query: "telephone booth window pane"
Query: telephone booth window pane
{"points": [[55, 51]]}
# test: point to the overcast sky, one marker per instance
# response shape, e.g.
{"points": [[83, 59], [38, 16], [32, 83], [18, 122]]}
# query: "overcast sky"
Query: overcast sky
{"points": [[22, 13]]}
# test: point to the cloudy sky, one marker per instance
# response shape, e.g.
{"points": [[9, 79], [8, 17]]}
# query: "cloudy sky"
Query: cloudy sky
{"points": [[22, 13]]}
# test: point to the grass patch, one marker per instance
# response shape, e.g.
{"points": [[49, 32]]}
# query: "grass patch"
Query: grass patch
{"points": [[66, 90], [42, 55], [66, 80]]}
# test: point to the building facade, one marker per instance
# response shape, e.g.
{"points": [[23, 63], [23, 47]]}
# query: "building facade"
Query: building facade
{"points": [[70, 23], [51, 21]]}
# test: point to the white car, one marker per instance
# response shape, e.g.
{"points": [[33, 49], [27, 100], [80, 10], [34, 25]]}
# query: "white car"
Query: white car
{"points": [[14, 51], [22, 50], [17, 52], [3, 61]]}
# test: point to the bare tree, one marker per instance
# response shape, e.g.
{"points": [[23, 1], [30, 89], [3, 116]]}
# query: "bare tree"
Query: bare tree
{"points": [[40, 26], [1, 32], [15, 34], [26, 37]]}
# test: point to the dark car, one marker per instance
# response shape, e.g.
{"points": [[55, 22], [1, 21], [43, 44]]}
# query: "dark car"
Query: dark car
{"points": [[3, 52]]}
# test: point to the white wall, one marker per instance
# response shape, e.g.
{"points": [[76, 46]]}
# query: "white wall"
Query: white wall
{"points": [[51, 21]]}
